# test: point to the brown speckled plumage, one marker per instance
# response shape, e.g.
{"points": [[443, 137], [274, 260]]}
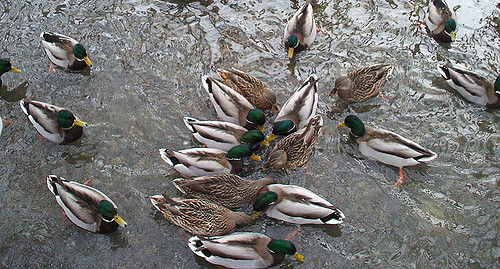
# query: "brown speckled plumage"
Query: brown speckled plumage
{"points": [[295, 150], [226, 189], [249, 86], [362, 84], [200, 217]]}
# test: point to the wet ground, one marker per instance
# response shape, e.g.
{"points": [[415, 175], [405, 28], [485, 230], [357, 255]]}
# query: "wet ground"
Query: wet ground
{"points": [[148, 59]]}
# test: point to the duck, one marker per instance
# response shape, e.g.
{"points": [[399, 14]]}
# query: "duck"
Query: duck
{"points": [[243, 250], [223, 135], [54, 123], [231, 106], [441, 21], [65, 51], [472, 86], [227, 190], [300, 31], [294, 150], [87, 207], [363, 83], [387, 147], [199, 217], [3, 122], [252, 88], [297, 110], [6, 66], [295, 204], [196, 162]]}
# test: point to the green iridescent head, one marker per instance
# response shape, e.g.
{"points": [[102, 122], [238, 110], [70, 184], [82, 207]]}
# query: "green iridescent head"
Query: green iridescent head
{"points": [[264, 200], [497, 84], [241, 151], [256, 117], [450, 25], [6, 66], [252, 137], [285, 127], [293, 41], [282, 247], [107, 210], [79, 52], [65, 119], [355, 124]]}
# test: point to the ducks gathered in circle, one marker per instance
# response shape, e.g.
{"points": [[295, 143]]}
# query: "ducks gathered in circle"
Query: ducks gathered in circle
{"points": [[210, 185]]}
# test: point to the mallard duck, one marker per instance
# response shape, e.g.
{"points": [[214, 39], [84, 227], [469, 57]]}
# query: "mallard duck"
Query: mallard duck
{"points": [[55, 123], [441, 21], [298, 110], [231, 106], [2, 123], [387, 147], [295, 149], [197, 162], [295, 204], [300, 31], [86, 207], [252, 88], [223, 135], [199, 217], [243, 250], [362, 83], [64, 51], [472, 86], [224, 189], [6, 66]]}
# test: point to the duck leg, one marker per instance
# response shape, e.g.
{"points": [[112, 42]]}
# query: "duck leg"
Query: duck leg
{"points": [[291, 235], [6, 122], [52, 68], [401, 178]]}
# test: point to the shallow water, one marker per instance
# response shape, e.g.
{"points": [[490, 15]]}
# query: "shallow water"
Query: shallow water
{"points": [[148, 59]]}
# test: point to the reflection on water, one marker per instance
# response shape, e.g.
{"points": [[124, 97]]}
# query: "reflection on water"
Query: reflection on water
{"points": [[148, 60]]}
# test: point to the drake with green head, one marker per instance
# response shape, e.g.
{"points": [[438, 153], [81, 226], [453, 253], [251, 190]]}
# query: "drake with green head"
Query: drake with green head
{"points": [[300, 31], [199, 217], [441, 21], [223, 135], [363, 83], [6, 66], [224, 189], [54, 123], [64, 51], [252, 88], [473, 87], [298, 110], [295, 204], [231, 106], [294, 150], [197, 162], [243, 250], [387, 147], [86, 207]]}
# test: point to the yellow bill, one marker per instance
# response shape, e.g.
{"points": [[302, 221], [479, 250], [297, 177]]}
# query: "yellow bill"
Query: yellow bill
{"points": [[298, 256], [15, 70], [270, 137], [79, 123], [255, 158], [87, 61], [120, 221], [342, 124], [452, 36], [255, 214], [265, 143], [261, 128], [290, 52]]}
